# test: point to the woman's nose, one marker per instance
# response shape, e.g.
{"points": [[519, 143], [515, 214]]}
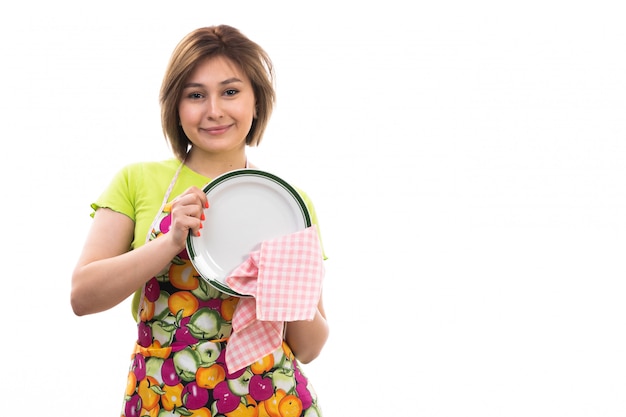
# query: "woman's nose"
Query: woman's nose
{"points": [[214, 109]]}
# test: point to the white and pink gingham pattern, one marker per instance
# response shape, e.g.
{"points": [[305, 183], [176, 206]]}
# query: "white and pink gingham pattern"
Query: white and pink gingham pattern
{"points": [[284, 279]]}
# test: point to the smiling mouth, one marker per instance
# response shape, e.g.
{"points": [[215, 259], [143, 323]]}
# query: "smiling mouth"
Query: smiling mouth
{"points": [[218, 130]]}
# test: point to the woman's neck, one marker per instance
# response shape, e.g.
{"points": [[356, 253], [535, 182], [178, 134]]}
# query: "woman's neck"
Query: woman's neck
{"points": [[211, 166]]}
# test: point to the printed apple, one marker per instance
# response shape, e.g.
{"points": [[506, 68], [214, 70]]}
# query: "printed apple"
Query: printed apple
{"points": [[169, 376], [194, 396], [183, 335], [225, 400], [144, 337], [304, 395], [205, 323], [260, 388], [208, 352], [204, 291], [132, 407], [240, 385], [161, 308], [162, 331], [139, 366], [154, 366], [152, 289], [186, 363], [284, 379]]}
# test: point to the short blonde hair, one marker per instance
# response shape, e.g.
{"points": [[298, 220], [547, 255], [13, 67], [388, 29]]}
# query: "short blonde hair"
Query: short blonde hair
{"points": [[207, 42]]}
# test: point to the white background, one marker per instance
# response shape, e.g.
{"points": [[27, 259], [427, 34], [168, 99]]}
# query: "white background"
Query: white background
{"points": [[466, 159]]}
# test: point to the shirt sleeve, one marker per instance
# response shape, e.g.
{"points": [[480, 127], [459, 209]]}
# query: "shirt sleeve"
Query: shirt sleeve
{"points": [[119, 194]]}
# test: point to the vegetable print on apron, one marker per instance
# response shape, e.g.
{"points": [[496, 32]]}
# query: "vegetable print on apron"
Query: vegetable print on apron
{"points": [[178, 365]]}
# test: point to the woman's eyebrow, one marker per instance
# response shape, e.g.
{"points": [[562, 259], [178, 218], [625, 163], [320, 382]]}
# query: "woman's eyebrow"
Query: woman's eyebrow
{"points": [[231, 80], [225, 82]]}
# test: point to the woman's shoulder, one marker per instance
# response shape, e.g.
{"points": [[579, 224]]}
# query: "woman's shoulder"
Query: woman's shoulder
{"points": [[139, 172], [153, 166]]}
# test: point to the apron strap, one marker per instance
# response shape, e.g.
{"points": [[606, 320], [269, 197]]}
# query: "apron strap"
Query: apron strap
{"points": [[164, 202], [153, 227]]}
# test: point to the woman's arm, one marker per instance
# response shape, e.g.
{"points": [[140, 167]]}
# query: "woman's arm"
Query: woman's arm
{"points": [[307, 338], [108, 272]]}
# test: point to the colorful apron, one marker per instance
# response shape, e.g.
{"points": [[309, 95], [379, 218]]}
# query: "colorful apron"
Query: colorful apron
{"points": [[178, 368]]}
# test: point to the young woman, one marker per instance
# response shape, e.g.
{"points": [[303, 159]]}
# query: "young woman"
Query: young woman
{"points": [[216, 98]]}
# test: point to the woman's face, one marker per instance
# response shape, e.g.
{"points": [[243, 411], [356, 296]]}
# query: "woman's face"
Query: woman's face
{"points": [[217, 106]]}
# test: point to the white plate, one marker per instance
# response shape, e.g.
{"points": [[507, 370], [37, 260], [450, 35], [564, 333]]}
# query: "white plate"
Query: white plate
{"points": [[247, 206]]}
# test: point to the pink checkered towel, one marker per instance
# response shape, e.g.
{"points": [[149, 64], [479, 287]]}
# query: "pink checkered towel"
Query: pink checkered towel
{"points": [[284, 278]]}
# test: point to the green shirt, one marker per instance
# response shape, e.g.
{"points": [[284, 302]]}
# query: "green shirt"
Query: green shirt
{"points": [[137, 190]]}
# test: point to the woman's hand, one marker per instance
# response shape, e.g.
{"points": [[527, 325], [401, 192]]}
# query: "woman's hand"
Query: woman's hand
{"points": [[187, 215], [307, 338]]}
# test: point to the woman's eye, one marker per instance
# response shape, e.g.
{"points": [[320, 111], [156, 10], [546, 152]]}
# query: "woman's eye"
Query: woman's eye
{"points": [[230, 92], [194, 95]]}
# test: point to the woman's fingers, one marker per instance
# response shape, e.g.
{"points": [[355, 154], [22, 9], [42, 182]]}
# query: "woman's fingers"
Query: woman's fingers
{"points": [[188, 211]]}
